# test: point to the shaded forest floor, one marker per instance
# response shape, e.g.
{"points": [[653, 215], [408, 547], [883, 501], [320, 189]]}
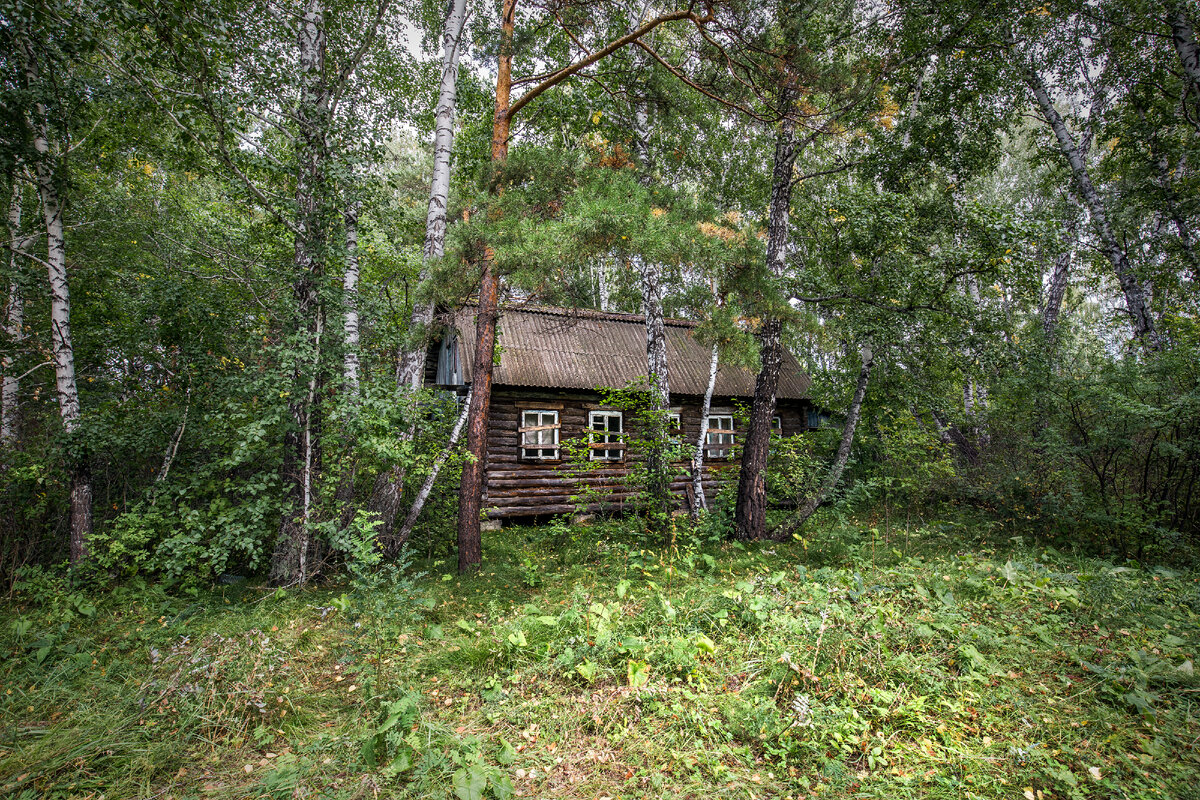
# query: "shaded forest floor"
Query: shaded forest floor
{"points": [[935, 664]]}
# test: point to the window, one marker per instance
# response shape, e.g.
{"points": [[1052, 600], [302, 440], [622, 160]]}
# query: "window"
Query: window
{"points": [[539, 434], [674, 427], [720, 436], [604, 436], [777, 426]]}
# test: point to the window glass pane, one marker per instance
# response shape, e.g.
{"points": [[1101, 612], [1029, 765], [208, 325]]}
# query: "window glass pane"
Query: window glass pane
{"points": [[607, 427], [717, 424], [539, 443]]}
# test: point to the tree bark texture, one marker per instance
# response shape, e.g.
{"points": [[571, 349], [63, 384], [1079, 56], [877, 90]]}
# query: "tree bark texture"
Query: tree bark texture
{"points": [[658, 484], [45, 168], [302, 453], [411, 365], [1136, 305], [1184, 38], [698, 499], [470, 497], [14, 324], [750, 512], [350, 361], [843, 452]]}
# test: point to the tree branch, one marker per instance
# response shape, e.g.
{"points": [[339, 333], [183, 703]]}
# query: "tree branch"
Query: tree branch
{"points": [[569, 70]]}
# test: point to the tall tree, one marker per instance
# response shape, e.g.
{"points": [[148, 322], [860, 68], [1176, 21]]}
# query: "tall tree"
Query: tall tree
{"points": [[471, 488], [48, 154], [14, 319]]}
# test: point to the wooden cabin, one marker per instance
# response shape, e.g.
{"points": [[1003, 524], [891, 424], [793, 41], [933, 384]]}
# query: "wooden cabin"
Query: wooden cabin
{"points": [[546, 404]]}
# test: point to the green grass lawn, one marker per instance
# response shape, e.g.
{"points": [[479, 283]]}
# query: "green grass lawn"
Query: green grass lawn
{"points": [[584, 662]]}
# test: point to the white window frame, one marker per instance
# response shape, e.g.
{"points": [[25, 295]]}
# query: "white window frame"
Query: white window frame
{"points": [[719, 435], [675, 427], [545, 437], [777, 425], [597, 453]]}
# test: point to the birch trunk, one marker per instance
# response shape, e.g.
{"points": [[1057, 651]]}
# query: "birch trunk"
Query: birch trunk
{"points": [[1184, 38], [698, 499], [302, 453], [63, 352], [658, 483], [751, 509], [14, 324], [423, 494], [1135, 295], [350, 362], [412, 360], [387, 493], [843, 452]]}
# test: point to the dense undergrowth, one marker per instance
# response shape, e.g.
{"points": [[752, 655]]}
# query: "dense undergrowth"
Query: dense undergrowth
{"points": [[583, 662]]}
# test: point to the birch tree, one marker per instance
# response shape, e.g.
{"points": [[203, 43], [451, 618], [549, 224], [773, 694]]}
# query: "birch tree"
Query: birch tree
{"points": [[386, 495], [47, 169], [14, 320]]}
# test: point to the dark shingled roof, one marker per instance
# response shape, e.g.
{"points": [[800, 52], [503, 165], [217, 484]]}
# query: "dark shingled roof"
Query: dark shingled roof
{"points": [[575, 349]]}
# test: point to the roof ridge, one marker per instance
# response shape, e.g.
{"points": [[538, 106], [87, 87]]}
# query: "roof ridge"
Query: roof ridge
{"points": [[585, 313]]}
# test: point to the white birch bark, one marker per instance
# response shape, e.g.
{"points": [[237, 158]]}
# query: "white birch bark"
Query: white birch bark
{"points": [[412, 361], [14, 324], [698, 499], [1184, 38], [63, 352], [350, 363], [1136, 305]]}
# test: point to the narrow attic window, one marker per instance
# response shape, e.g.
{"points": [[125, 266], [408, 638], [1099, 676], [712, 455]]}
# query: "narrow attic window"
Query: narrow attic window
{"points": [[539, 435], [604, 436], [720, 436]]}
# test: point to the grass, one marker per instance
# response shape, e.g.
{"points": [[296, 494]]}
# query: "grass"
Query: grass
{"points": [[583, 663]]}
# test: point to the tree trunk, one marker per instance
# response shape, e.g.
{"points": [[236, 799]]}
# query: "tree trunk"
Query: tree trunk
{"points": [[1135, 295], [658, 478], [470, 493], [302, 452], [387, 493], [393, 546], [1184, 38], [45, 167], [750, 512], [14, 324], [412, 361], [350, 362], [843, 452], [698, 499], [1056, 290]]}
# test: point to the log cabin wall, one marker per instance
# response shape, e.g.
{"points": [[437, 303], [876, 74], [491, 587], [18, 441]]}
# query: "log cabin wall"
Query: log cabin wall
{"points": [[517, 486]]}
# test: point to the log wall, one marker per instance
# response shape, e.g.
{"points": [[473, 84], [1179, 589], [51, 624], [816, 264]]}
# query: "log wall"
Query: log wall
{"points": [[516, 487]]}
